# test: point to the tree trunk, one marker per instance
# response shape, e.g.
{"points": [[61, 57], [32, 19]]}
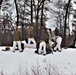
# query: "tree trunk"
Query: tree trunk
{"points": [[31, 12], [42, 13], [1, 2], [16, 12], [65, 23], [37, 17]]}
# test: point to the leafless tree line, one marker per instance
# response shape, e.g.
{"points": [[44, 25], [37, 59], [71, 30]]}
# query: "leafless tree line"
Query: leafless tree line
{"points": [[33, 12]]}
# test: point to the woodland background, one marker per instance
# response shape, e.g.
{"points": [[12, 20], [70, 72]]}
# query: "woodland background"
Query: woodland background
{"points": [[38, 13]]}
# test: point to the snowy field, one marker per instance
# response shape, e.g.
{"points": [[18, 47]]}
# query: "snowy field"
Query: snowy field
{"points": [[61, 63]]}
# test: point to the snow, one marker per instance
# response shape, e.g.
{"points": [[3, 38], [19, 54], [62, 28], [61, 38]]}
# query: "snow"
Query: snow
{"points": [[14, 63]]}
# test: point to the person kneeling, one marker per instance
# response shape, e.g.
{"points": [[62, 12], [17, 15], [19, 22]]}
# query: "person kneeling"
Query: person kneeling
{"points": [[43, 48]]}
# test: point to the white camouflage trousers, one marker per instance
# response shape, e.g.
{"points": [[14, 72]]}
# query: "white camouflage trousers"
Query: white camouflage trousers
{"points": [[58, 41], [33, 40], [17, 43], [40, 50]]}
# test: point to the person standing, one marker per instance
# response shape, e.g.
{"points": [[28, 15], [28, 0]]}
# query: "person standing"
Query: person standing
{"points": [[30, 35], [17, 39]]}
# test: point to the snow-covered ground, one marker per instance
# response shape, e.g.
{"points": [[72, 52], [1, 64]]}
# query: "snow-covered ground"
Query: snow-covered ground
{"points": [[18, 63]]}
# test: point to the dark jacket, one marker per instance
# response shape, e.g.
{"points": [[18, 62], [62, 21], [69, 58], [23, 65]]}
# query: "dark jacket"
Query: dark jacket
{"points": [[43, 36]]}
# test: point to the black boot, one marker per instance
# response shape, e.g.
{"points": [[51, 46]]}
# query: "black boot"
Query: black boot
{"points": [[21, 51], [54, 50]]}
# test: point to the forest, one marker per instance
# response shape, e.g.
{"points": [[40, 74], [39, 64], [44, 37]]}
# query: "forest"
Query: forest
{"points": [[37, 13]]}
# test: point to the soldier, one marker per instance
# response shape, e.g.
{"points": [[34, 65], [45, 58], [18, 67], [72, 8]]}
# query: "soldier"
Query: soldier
{"points": [[17, 39], [51, 37], [54, 39], [42, 41], [42, 44], [30, 35]]}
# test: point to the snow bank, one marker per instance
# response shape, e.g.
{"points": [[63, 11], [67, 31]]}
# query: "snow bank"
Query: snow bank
{"points": [[16, 63]]}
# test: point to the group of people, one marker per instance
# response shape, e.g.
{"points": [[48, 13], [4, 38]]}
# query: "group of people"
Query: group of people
{"points": [[46, 42], [17, 38]]}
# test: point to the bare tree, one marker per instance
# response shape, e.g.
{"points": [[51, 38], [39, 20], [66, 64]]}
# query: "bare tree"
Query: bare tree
{"points": [[42, 13], [1, 2], [17, 11], [31, 11], [65, 23]]}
